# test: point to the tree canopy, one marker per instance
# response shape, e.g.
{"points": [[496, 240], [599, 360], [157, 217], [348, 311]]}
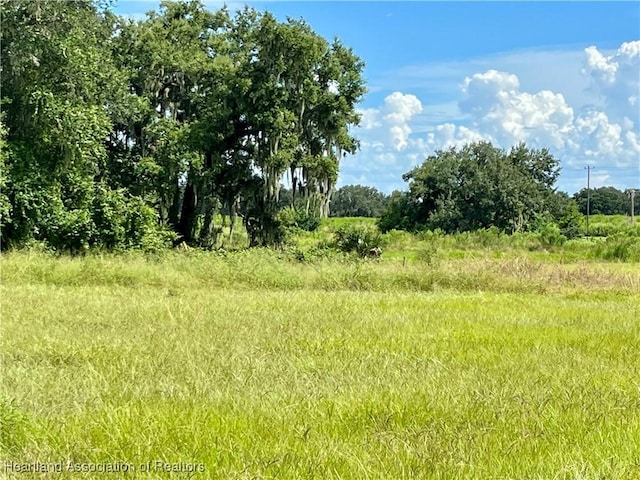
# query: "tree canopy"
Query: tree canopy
{"points": [[358, 201], [605, 201], [119, 133], [477, 186]]}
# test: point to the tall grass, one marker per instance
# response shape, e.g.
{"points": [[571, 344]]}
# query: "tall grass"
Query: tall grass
{"points": [[263, 269], [479, 356], [329, 370]]}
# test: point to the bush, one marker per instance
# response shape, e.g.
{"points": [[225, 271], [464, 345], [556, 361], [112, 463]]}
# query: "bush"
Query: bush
{"points": [[298, 218], [619, 247], [360, 239], [605, 229], [398, 215], [307, 221], [429, 254], [571, 223], [489, 237], [550, 235], [124, 222]]}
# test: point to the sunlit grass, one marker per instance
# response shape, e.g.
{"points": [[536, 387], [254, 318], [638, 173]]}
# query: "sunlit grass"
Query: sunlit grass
{"points": [[256, 365]]}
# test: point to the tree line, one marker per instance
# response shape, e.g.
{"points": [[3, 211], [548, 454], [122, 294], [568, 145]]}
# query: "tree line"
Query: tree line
{"points": [[480, 186], [119, 133], [366, 201], [606, 201]]}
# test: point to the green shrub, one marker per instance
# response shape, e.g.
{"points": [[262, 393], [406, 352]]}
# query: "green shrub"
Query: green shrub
{"points": [[298, 218], [606, 229], [127, 222], [307, 221], [550, 235], [491, 236], [620, 246], [571, 223], [358, 239], [429, 254]]}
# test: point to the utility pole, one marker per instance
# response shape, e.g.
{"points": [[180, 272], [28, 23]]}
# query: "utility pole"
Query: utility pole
{"points": [[632, 194], [588, 168]]}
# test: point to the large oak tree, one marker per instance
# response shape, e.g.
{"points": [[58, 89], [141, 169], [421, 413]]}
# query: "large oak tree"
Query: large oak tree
{"points": [[118, 131]]}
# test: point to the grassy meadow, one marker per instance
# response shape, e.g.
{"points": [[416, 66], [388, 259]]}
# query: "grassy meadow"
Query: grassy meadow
{"points": [[467, 357]]}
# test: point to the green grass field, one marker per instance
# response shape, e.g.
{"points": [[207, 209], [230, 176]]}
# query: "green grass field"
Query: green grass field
{"points": [[488, 365]]}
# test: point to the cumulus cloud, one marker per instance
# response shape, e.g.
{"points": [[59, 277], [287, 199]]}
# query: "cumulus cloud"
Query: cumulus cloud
{"points": [[499, 111], [497, 106], [482, 90], [493, 106], [369, 119], [616, 78], [394, 117], [450, 135]]}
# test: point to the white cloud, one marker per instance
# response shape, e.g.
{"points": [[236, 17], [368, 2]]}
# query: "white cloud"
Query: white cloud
{"points": [[369, 119], [399, 108], [555, 69], [496, 106], [616, 79], [498, 110], [596, 139], [449, 135], [484, 89], [393, 118]]}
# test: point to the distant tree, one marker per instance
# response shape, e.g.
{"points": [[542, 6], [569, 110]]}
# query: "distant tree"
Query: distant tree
{"points": [[478, 186], [285, 198], [604, 201], [358, 201], [636, 203], [399, 213]]}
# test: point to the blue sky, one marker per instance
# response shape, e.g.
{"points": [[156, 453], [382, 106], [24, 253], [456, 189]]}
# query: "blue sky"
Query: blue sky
{"points": [[560, 75]]}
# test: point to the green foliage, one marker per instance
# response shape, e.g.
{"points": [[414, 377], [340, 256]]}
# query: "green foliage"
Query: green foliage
{"points": [[358, 201], [57, 78], [429, 254], [362, 240], [478, 186], [620, 246], [124, 222], [307, 221], [5, 204], [399, 213], [202, 113], [608, 225], [571, 221], [299, 218], [605, 201], [551, 236], [290, 221]]}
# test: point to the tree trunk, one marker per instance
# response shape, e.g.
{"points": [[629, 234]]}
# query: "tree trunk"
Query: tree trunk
{"points": [[174, 210], [293, 185], [188, 215], [233, 214], [324, 212], [208, 237]]}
